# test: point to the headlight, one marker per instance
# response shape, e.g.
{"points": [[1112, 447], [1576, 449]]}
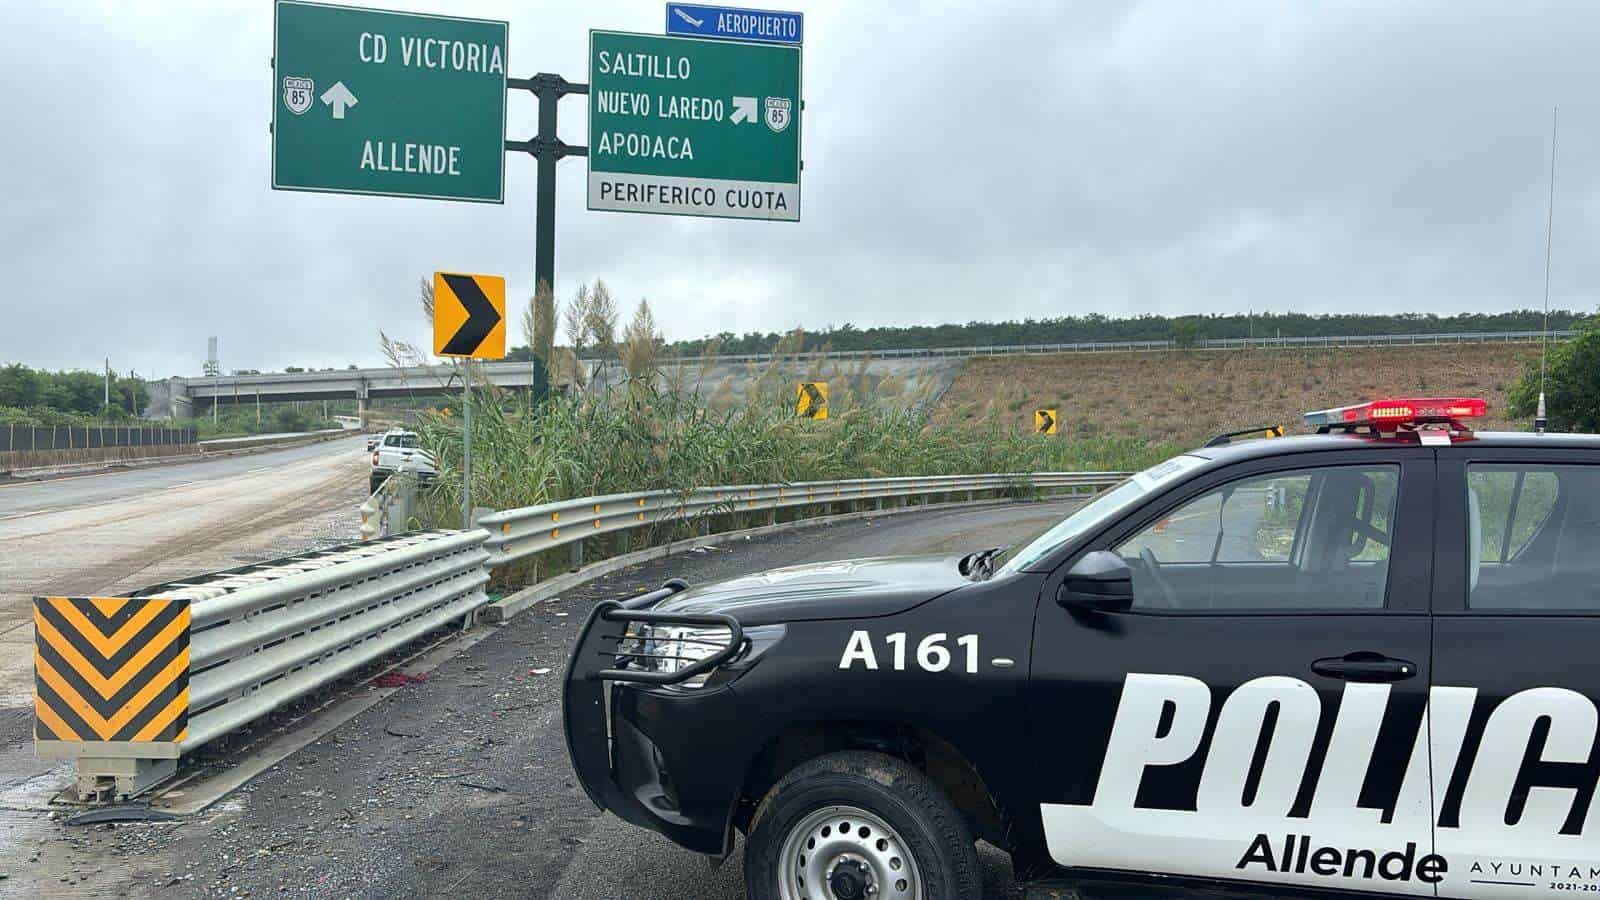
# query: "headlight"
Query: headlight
{"points": [[672, 648]]}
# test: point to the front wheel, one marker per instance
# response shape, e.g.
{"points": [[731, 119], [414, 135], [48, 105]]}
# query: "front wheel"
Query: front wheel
{"points": [[859, 826]]}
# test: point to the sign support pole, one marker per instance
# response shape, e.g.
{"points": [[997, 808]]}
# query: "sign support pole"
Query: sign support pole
{"points": [[466, 444], [548, 149], [469, 322]]}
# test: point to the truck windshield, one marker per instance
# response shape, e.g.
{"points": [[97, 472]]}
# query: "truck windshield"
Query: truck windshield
{"points": [[1101, 509]]}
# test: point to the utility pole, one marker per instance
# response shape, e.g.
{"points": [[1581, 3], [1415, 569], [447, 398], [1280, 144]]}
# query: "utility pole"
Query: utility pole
{"points": [[214, 369], [107, 403]]}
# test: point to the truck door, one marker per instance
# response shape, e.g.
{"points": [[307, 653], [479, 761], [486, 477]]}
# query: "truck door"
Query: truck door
{"points": [[1517, 671], [1257, 714]]}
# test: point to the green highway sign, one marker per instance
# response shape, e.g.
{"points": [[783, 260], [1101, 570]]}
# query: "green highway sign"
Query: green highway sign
{"points": [[688, 126], [398, 104]]}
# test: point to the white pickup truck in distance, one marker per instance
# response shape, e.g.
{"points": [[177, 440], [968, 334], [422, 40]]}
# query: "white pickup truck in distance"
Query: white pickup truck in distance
{"points": [[399, 451]]}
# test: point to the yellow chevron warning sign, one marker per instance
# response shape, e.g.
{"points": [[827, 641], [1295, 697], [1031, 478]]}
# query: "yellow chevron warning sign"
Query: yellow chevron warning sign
{"points": [[813, 400], [1044, 421], [469, 316], [110, 669], [1273, 431]]}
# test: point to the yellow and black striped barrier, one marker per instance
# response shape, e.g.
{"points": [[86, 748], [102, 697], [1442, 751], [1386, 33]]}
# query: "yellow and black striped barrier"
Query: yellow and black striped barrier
{"points": [[110, 669]]}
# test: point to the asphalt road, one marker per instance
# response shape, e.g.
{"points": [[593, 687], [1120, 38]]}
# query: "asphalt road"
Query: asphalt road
{"points": [[25, 499], [122, 528], [459, 785], [100, 533]]}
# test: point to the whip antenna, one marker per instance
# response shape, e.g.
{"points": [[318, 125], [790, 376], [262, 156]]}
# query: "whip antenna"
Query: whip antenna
{"points": [[1539, 419]]}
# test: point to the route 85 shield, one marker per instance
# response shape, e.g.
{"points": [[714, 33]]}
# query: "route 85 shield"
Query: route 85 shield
{"points": [[778, 112], [297, 93]]}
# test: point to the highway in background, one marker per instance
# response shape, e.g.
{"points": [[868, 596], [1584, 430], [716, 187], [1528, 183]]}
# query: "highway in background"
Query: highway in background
{"points": [[24, 498], [127, 528], [460, 785]]}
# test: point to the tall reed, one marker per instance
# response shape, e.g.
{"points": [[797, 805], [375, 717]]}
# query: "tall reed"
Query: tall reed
{"points": [[639, 437]]}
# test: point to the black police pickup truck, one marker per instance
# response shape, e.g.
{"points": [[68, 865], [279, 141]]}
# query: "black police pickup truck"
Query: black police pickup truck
{"points": [[1364, 661]]}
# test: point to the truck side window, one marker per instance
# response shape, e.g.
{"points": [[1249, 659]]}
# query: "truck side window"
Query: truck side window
{"points": [[1533, 534], [1305, 539]]}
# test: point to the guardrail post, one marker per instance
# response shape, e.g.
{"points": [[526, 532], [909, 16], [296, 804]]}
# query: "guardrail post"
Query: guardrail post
{"points": [[577, 555], [109, 778]]}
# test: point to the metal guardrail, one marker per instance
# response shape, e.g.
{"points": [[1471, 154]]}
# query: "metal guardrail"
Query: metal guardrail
{"points": [[256, 640], [389, 509], [214, 653], [1267, 343], [520, 533]]}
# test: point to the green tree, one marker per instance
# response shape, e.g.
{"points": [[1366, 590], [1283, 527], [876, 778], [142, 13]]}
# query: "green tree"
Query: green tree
{"points": [[20, 386], [1571, 384], [291, 419], [1185, 331]]}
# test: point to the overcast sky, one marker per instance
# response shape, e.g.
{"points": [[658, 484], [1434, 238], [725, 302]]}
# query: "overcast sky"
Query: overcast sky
{"points": [[964, 161]]}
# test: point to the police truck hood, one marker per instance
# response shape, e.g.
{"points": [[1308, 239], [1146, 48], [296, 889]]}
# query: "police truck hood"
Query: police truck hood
{"points": [[844, 589]]}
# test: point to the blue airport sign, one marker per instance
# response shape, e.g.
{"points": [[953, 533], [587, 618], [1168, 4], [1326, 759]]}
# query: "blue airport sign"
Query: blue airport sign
{"points": [[765, 25]]}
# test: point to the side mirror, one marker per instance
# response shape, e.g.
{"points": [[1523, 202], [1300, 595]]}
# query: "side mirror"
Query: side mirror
{"points": [[1100, 581]]}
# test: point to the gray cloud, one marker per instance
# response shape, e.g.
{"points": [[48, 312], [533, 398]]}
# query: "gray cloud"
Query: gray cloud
{"points": [[963, 161]]}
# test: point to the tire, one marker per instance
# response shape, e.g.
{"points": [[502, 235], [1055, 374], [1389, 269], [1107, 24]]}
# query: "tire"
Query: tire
{"points": [[374, 482], [806, 807]]}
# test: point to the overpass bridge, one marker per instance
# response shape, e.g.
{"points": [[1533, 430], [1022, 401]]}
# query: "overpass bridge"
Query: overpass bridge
{"points": [[924, 372], [181, 398], [899, 381]]}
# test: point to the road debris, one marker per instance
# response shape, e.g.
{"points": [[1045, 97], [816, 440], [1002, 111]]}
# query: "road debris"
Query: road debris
{"points": [[398, 679]]}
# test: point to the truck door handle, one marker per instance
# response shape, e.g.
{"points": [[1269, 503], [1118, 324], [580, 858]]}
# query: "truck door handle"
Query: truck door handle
{"points": [[1366, 667]]}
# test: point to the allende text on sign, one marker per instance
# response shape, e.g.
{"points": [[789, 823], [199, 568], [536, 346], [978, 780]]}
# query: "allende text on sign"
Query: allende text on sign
{"points": [[378, 102]]}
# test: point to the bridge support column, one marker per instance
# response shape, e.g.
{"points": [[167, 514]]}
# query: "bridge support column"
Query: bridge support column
{"points": [[361, 404]]}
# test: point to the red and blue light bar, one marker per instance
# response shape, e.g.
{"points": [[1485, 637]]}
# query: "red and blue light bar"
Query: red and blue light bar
{"points": [[1399, 411]]}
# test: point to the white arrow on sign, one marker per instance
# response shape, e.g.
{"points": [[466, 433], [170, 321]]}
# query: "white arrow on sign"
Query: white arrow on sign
{"points": [[744, 110], [340, 98]]}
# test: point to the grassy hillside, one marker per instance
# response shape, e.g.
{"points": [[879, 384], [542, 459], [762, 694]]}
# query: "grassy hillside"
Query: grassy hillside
{"points": [[1186, 397]]}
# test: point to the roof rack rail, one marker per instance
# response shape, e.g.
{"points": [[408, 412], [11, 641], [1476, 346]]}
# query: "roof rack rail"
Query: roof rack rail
{"points": [[1226, 438]]}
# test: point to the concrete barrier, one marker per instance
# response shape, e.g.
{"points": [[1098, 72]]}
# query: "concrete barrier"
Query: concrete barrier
{"points": [[294, 439], [51, 463], [33, 464]]}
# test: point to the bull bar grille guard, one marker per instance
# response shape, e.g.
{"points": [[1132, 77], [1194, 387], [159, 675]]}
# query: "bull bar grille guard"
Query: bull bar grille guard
{"points": [[636, 609], [596, 664]]}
